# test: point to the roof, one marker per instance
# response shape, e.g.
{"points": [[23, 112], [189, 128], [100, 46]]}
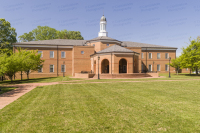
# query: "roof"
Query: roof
{"points": [[65, 42], [144, 45], [116, 48], [103, 18], [68, 42], [104, 38]]}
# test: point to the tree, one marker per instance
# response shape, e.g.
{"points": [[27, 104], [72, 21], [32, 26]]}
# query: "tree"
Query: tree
{"points": [[20, 61], [29, 60], [175, 63], [47, 33], [27, 37], [7, 36], [190, 57], [9, 64]]}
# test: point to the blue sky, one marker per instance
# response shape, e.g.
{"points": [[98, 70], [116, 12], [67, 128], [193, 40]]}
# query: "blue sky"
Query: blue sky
{"points": [[168, 23]]}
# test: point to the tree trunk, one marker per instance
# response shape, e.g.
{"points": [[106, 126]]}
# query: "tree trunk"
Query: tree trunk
{"points": [[190, 70], [10, 78], [1, 78], [21, 75], [196, 71], [27, 74]]}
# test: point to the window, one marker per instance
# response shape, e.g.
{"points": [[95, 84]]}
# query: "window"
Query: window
{"points": [[62, 54], [150, 55], [51, 54], [51, 68], [142, 55], [62, 68], [158, 55], [158, 67], [40, 52], [107, 44], [93, 44], [186, 69], [150, 67], [166, 56], [40, 69], [82, 52], [142, 67], [166, 68]]}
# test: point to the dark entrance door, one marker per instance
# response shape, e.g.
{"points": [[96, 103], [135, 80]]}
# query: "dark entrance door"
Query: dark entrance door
{"points": [[122, 66]]}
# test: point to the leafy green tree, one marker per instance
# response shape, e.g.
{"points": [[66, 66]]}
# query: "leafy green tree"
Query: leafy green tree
{"points": [[20, 61], [9, 64], [176, 63], [7, 36], [48, 33], [27, 37], [32, 62], [190, 57]]}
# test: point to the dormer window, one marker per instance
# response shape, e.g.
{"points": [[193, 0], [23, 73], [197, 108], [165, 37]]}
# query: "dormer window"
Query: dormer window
{"points": [[107, 45]]}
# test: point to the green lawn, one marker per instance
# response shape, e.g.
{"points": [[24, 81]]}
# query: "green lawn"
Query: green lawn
{"points": [[5, 89], [38, 80], [106, 107], [75, 80]]}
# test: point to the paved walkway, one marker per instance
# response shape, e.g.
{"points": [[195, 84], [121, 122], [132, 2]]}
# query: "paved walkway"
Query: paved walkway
{"points": [[21, 89]]}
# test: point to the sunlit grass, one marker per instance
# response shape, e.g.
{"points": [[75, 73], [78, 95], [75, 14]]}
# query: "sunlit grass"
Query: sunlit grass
{"points": [[108, 107]]}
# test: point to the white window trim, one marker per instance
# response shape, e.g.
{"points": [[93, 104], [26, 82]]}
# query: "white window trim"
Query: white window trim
{"points": [[167, 67], [151, 67], [157, 56], [64, 54], [151, 55], [50, 68], [41, 54], [50, 54], [167, 55], [159, 67], [64, 68], [41, 71]]}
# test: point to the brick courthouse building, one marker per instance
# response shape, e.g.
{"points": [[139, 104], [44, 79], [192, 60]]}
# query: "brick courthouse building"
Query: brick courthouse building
{"points": [[103, 54]]}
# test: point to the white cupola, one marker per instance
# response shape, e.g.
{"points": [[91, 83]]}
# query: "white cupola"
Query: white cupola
{"points": [[103, 23]]}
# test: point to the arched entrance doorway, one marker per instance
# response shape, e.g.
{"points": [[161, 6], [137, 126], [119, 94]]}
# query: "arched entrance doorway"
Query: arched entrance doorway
{"points": [[122, 66], [105, 66]]}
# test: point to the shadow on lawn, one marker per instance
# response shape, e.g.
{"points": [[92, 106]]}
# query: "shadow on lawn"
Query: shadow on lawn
{"points": [[6, 89], [28, 80], [190, 74]]}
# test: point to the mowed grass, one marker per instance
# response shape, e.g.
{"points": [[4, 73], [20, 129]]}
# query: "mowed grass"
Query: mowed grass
{"points": [[167, 106], [39, 80]]}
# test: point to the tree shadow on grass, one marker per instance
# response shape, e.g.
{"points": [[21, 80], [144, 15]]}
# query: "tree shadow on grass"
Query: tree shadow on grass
{"points": [[27, 80], [190, 75], [6, 89]]}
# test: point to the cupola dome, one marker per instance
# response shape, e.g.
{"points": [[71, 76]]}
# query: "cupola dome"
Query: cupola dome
{"points": [[103, 18]]}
